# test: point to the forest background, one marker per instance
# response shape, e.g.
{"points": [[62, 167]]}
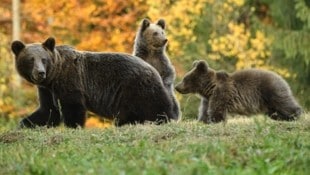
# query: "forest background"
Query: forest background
{"points": [[229, 34]]}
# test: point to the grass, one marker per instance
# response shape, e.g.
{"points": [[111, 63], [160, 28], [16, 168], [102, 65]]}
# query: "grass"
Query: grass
{"points": [[241, 146]]}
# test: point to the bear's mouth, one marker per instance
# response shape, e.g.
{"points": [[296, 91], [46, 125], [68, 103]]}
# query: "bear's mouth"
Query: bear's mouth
{"points": [[161, 44], [38, 79], [181, 89], [158, 45]]}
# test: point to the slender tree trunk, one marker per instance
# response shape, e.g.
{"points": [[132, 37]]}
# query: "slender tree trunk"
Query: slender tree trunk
{"points": [[16, 29], [16, 19]]}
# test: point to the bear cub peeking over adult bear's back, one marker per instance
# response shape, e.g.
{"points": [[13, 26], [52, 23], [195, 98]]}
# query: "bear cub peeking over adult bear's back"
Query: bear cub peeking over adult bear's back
{"points": [[243, 92], [150, 46], [69, 82]]}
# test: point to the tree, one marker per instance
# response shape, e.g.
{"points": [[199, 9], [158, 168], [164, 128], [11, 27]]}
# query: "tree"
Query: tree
{"points": [[291, 32]]}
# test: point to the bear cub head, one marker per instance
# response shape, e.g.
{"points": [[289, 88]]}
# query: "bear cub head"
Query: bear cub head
{"points": [[33, 61], [201, 79], [152, 35]]}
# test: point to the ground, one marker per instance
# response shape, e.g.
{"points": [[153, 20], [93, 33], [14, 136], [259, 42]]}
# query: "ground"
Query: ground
{"points": [[256, 145]]}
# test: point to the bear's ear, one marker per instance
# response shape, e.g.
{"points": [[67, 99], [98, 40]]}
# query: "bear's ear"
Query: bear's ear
{"points": [[145, 24], [201, 66], [222, 75], [50, 44], [17, 47], [195, 63], [161, 23]]}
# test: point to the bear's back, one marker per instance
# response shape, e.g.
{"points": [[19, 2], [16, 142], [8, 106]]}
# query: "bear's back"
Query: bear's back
{"points": [[106, 64], [253, 87], [119, 65], [256, 78]]}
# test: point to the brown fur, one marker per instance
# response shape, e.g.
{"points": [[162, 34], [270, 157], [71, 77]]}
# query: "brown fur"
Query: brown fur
{"points": [[150, 46], [243, 92], [70, 82]]}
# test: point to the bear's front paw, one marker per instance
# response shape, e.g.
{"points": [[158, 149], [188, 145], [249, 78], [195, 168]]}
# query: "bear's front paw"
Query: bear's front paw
{"points": [[204, 120], [26, 123]]}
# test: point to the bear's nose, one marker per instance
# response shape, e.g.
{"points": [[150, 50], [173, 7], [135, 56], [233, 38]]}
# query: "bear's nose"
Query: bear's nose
{"points": [[41, 74], [177, 88]]}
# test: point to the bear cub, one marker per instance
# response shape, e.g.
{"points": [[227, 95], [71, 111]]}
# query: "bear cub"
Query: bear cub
{"points": [[150, 46], [70, 82], [244, 92]]}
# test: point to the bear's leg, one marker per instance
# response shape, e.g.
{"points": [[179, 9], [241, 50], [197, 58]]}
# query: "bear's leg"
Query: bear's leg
{"points": [[217, 111], [203, 110], [216, 116], [162, 109], [283, 106], [119, 122], [124, 118], [45, 115], [176, 106], [285, 111], [74, 115]]}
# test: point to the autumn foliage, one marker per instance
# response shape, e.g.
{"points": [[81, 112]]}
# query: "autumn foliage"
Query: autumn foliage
{"points": [[89, 25]]}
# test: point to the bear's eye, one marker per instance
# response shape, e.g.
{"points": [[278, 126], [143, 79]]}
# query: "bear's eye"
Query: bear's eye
{"points": [[29, 61], [155, 33], [44, 60]]}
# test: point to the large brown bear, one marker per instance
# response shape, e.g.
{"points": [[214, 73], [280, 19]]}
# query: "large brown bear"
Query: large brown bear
{"points": [[150, 45], [115, 85], [243, 92]]}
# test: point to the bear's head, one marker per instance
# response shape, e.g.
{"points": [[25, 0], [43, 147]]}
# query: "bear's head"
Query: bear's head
{"points": [[152, 35], [33, 61], [199, 80]]}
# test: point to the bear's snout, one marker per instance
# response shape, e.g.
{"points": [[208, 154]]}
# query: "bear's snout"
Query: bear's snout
{"points": [[160, 43], [180, 88], [165, 41], [41, 74]]}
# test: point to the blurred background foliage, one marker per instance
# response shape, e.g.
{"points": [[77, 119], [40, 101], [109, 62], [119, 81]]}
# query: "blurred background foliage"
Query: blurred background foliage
{"points": [[229, 34]]}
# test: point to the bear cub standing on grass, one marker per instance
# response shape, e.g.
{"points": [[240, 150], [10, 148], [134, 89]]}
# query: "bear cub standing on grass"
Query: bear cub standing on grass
{"points": [[115, 85], [243, 92], [150, 45]]}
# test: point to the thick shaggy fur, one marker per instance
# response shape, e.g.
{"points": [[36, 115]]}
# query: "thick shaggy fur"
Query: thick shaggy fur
{"points": [[243, 92], [113, 85], [150, 45]]}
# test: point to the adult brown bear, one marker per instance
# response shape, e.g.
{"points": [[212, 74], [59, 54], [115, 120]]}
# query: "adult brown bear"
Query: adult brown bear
{"points": [[243, 92], [114, 85]]}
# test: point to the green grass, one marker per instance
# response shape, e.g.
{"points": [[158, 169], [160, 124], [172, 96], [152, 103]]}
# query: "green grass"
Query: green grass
{"points": [[241, 146]]}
